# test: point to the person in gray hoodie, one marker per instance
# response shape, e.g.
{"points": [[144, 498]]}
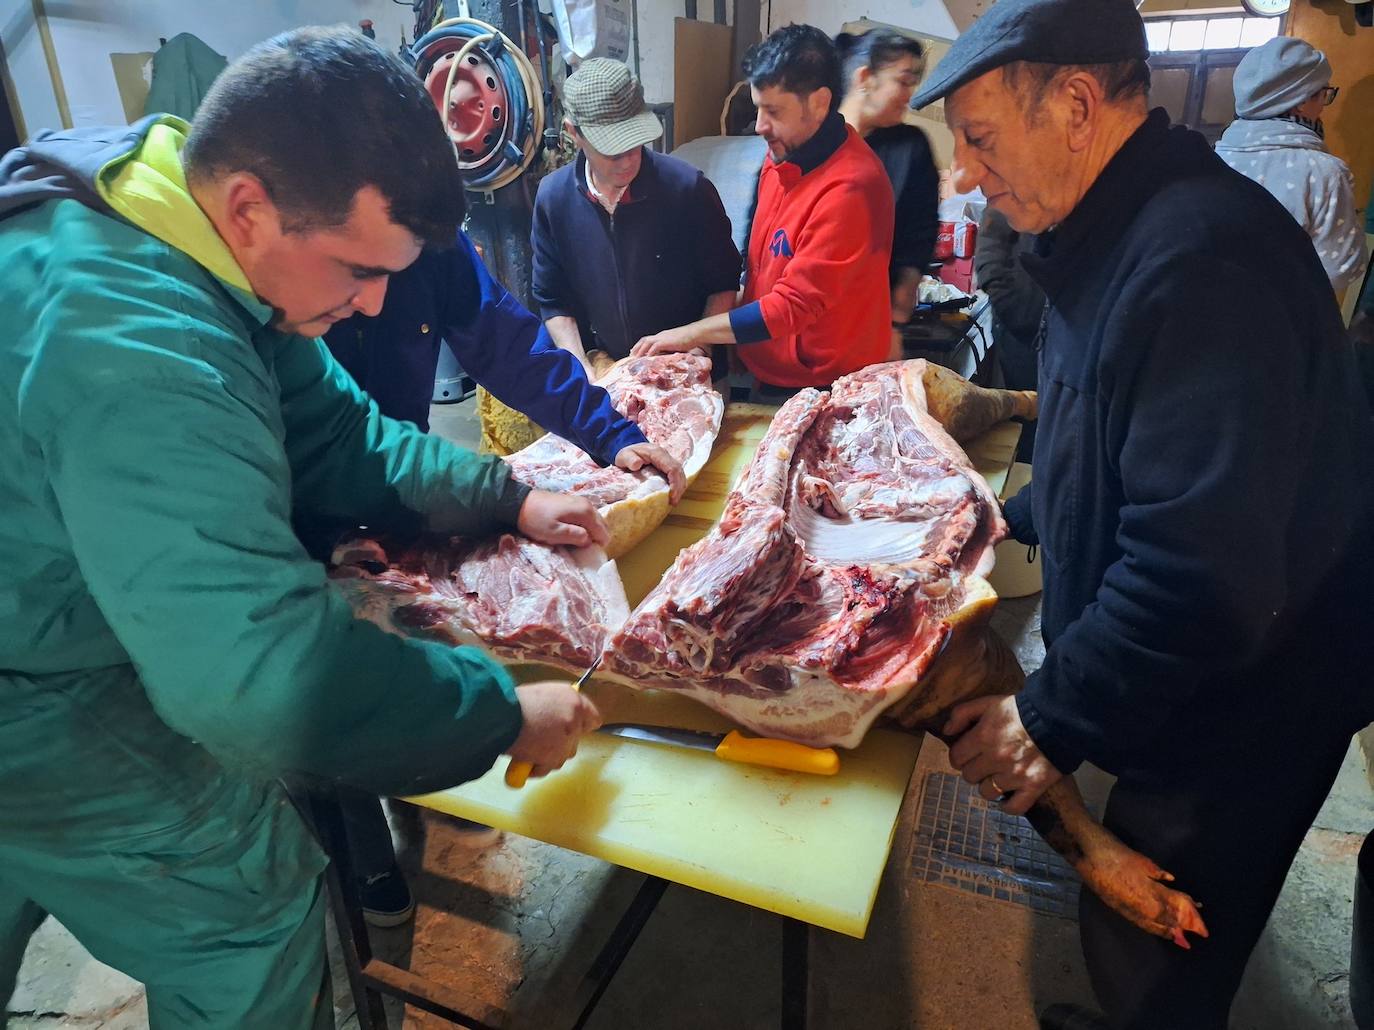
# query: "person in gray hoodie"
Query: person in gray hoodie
{"points": [[1277, 139]]}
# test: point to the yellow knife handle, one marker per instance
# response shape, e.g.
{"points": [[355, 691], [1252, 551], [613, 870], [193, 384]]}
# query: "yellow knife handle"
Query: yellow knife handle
{"points": [[778, 754], [517, 773]]}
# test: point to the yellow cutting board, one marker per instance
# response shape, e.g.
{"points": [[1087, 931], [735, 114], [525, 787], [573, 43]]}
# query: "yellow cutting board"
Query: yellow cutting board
{"points": [[810, 847]]}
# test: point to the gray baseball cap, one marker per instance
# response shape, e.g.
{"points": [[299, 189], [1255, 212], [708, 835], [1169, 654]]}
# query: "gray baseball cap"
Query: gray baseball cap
{"points": [[606, 103]]}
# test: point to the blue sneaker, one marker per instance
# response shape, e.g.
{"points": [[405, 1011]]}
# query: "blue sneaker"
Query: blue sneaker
{"points": [[387, 901]]}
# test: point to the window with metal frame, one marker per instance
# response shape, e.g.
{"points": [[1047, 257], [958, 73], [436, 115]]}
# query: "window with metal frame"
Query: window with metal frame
{"points": [[1193, 60]]}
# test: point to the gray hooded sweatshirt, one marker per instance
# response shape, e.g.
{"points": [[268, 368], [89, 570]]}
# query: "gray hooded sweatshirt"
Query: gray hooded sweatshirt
{"points": [[1292, 163]]}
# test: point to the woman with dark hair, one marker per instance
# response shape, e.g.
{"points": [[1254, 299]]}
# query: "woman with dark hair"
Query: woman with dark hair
{"points": [[881, 70]]}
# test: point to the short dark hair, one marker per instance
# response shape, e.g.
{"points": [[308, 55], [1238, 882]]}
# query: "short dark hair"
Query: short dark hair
{"points": [[317, 114], [1120, 81], [798, 58], [874, 50]]}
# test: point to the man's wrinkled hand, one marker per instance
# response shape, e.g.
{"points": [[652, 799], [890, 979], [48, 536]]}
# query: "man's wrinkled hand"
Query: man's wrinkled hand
{"points": [[637, 455], [995, 751], [561, 519], [554, 718], [670, 341]]}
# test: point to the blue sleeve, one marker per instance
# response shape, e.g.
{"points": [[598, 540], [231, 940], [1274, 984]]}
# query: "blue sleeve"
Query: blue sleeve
{"points": [[747, 324], [507, 350], [1020, 521]]}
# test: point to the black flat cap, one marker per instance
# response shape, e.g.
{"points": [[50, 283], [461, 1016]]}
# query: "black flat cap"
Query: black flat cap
{"points": [[1043, 31]]}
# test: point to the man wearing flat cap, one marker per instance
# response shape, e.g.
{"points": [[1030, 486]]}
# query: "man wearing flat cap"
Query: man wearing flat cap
{"points": [[626, 242], [1205, 545], [1278, 138]]}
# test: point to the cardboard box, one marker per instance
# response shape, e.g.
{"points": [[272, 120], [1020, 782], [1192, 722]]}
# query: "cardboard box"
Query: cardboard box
{"points": [[958, 272]]}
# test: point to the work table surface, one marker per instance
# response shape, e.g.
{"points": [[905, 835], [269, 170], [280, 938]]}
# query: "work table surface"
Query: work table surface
{"points": [[809, 847]]}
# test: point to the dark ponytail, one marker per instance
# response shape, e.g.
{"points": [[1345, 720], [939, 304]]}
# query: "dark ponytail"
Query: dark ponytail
{"points": [[874, 50]]}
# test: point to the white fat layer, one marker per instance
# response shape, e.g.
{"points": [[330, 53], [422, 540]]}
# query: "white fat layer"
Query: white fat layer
{"points": [[814, 710], [605, 577], [858, 541]]}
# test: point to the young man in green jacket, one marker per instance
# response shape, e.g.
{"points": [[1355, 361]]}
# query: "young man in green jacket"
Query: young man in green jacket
{"points": [[167, 648]]}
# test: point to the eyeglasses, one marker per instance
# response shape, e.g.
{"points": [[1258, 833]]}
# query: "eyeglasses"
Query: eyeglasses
{"points": [[1328, 94]]}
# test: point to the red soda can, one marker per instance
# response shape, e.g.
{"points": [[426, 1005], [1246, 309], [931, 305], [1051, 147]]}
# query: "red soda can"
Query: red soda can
{"points": [[965, 239], [944, 241]]}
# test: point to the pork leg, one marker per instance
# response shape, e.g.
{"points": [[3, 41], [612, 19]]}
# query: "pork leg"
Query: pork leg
{"points": [[1128, 882], [1131, 885], [967, 411]]}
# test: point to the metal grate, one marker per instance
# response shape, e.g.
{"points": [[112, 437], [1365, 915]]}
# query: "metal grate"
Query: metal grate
{"points": [[965, 843]]}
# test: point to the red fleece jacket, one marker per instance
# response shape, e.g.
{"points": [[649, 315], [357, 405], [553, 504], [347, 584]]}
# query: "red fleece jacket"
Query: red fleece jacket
{"points": [[817, 303]]}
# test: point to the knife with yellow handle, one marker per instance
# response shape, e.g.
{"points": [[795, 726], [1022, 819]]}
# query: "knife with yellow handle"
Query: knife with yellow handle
{"points": [[518, 772], [736, 747]]}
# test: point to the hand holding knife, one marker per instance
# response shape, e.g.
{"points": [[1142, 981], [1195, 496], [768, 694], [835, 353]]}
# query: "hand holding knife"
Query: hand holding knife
{"points": [[732, 746], [518, 772]]}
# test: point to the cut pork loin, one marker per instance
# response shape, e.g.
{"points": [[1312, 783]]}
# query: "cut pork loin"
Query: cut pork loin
{"points": [[520, 600], [671, 399], [821, 596]]}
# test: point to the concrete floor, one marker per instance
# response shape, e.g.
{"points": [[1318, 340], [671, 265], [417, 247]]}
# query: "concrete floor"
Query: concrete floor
{"points": [[514, 925]]}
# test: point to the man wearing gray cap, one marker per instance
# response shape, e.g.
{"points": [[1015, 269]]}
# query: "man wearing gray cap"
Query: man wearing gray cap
{"points": [[1277, 139], [1204, 543], [627, 242]]}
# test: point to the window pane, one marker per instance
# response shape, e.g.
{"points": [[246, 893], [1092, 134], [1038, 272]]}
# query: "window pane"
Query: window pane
{"points": [[1157, 34], [1188, 35], [1169, 90], [1223, 33], [1258, 30], [1218, 97]]}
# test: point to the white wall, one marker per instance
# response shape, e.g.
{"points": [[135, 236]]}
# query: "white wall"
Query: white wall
{"points": [[928, 16], [86, 32], [24, 56], [656, 18], [656, 26]]}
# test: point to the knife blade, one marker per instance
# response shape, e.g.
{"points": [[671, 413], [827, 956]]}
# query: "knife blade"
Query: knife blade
{"points": [[736, 747], [518, 772]]}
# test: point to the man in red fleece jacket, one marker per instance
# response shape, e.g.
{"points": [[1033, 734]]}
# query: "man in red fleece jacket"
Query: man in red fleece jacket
{"points": [[815, 304]]}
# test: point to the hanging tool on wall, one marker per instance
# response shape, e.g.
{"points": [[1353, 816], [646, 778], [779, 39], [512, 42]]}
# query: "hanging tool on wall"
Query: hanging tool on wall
{"points": [[551, 127], [488, 95]]}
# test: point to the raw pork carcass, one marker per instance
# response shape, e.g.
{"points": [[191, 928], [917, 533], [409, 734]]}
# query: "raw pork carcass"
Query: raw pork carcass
{"points": [[520, 600], [671, 399], [820, 598], [843, 582]]}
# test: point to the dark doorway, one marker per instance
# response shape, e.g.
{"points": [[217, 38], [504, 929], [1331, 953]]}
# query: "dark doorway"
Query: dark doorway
{"points": [[9, 130]]}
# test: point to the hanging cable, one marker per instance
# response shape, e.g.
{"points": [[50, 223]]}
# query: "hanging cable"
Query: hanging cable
{"points": [[551, 131], [501, 128]]}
